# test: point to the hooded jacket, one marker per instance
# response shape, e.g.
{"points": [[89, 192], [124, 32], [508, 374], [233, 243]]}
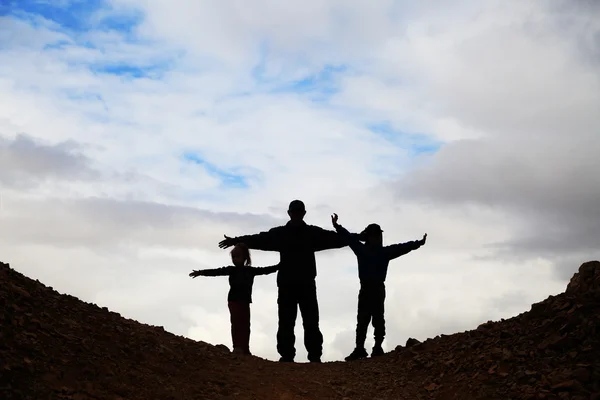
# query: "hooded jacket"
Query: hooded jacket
{"points": [[373, 260]]}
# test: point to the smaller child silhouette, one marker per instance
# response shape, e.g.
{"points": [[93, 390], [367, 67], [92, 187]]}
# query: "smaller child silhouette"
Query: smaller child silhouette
{"points": [[241, 279], [373, 260]]}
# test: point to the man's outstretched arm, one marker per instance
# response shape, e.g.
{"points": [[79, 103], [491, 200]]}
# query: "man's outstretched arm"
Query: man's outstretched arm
{"points": [[326, 240], [350, 239], [397, 250], [223, 271], [266, 241]]}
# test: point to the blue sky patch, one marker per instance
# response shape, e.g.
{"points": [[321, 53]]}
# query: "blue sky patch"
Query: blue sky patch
{"points": [[229, 179], [156, 71], [71, 15], [416, 143], [79, 16], [323, 81], [319, 85]]}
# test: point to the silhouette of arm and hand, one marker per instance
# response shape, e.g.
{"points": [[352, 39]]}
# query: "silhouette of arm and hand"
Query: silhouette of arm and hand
{"points": [[226, 271], [350, 239], [396, 250], [265, 270], [266, 241], [223, 271]]}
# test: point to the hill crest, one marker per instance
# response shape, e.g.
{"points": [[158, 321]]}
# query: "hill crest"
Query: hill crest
{"points": [[55, 346]]}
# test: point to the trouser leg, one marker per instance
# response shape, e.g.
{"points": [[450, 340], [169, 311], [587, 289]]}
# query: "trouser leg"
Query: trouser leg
{"points": [[287, 308], [363, 317], [378, 311], [309, 309], [240, 325]]}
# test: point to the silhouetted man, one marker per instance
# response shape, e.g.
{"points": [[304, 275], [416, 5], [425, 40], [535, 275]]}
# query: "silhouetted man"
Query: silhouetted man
{"points": [[296, 242]]}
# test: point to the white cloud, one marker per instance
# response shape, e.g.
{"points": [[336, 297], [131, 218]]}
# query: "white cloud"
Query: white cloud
{"points": [[519, 80]]}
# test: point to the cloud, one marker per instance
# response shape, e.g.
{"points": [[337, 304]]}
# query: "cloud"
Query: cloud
{"points": [[105, 224], [536, 156], [136, 134], [23, 162]]}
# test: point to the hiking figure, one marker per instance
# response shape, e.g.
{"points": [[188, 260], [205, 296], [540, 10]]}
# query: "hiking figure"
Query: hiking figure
{"points": [[241, 279], [373, 259], [296, 242]]}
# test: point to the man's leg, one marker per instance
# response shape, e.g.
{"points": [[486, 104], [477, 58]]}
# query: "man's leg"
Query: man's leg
{"points": [[363, 317], [287, 308], [378, 319], [309, 308]]}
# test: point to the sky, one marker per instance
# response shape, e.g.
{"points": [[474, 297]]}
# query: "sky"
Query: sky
{"points": [[134, 134]]}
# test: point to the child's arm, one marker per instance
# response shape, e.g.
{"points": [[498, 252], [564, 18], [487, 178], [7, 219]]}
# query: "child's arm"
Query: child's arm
{"points": [[265, 270], [351, 239], [211, 272], [397, 250]]}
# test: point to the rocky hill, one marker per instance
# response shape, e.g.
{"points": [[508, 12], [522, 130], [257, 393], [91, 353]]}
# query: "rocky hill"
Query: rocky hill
{"points": [[54, 346]]}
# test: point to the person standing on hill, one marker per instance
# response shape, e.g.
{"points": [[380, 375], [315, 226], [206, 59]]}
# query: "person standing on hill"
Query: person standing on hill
{"points": [[373, 260], [241, 279], [296, 242]]}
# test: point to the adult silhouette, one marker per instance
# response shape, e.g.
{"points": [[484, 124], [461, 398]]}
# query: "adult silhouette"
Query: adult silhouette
{"points": [[296, 242]]}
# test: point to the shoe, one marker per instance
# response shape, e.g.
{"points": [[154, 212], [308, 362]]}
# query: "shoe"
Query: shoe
{"points": [[286, 359], [315, 360], [358, 353], [377, 351]]}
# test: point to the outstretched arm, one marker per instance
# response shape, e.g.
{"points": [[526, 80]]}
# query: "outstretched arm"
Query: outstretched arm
{"points": [[265, 270], [211, 272], [325, 239], [350, 239], [266, 241], [397, 250]]}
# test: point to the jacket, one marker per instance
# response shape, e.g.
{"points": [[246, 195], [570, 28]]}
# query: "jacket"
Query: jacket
{"points": [[373, 260], [296, 245]]}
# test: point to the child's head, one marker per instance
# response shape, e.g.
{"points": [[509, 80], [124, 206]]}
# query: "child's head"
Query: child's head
{"points": [[240, 255], [372, 234]]}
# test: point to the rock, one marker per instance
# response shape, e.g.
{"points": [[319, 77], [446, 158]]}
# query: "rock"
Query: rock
{"points": [[223, 348], [582, 374], [587, 279]]}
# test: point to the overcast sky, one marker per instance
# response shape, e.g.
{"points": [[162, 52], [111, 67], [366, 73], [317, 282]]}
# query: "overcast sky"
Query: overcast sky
{"points": [[135, 133]]}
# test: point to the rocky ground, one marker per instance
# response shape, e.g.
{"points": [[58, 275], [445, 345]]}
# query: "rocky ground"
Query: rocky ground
{"points": [[54, 346]]}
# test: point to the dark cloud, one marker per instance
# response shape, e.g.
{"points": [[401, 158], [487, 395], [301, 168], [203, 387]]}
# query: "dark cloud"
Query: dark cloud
{"points": [[553, 192], [25, 161], [98, 223], [537, 160]]}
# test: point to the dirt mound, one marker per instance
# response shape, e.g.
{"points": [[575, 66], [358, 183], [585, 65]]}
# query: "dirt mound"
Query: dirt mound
{"points": [[54, 346]]}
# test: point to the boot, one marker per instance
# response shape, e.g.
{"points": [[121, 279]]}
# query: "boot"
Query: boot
{"points": [[377, 350], [314, 359], [358, 353]]}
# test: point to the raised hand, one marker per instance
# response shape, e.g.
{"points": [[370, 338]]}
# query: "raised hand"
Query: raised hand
{"points": [[423, 240], [227, 242], [334, 219]]}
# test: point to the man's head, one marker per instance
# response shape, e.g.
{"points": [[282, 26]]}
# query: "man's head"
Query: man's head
{"points": [[372, 234], [296, 211]]}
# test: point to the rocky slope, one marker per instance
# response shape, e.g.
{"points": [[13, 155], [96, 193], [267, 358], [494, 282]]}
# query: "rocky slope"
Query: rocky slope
{"points": [[54, 346]]}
